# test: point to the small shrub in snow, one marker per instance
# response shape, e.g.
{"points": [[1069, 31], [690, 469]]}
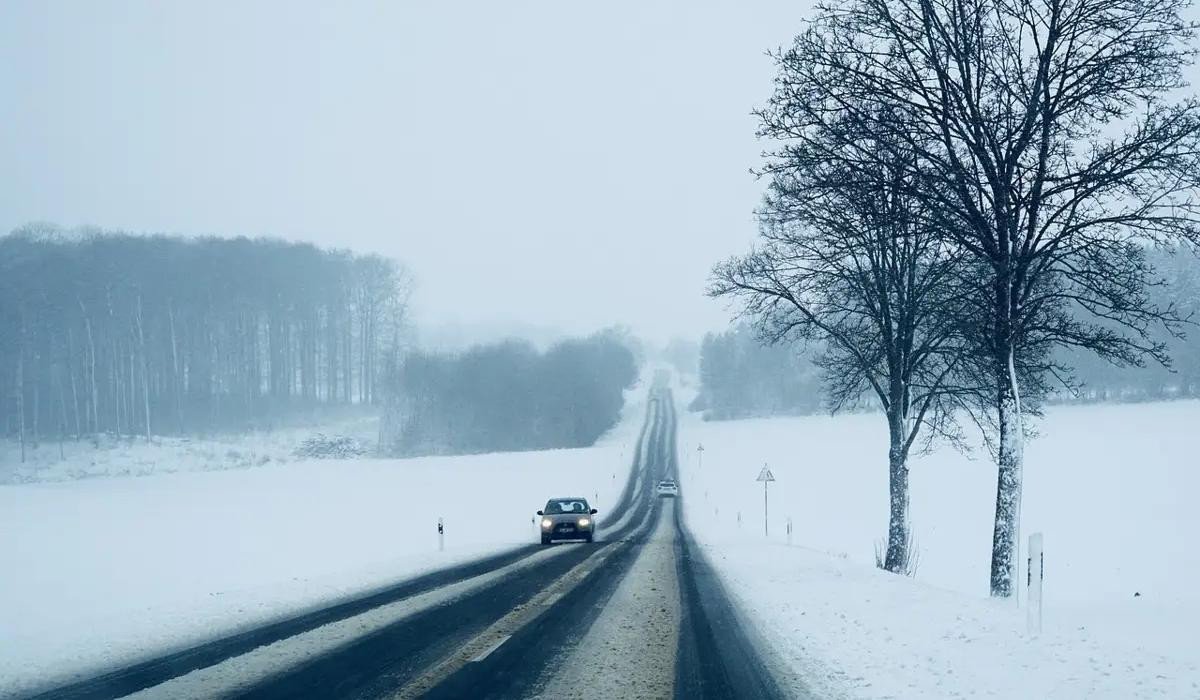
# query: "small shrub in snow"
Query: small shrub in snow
{"points": [[912, 557], [321, 446]]}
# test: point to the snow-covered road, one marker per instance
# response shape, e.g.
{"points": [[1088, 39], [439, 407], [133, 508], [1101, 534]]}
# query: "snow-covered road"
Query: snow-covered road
{"points": [[102, 572], [635, 614]]}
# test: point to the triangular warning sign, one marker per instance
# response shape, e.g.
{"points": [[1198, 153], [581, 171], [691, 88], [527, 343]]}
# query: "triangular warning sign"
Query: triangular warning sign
{"points": [[765, 475]]}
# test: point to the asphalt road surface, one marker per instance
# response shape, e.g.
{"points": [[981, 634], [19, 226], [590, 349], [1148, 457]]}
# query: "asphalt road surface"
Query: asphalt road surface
{"points": [[636, 614]]}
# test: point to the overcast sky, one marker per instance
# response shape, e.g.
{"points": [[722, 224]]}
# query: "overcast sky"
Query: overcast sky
{"points": [[555, 164]]}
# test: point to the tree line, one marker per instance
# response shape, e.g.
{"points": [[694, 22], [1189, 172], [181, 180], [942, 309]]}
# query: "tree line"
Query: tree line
{"points": [[507, 396], [961, 194], [740, 377], [1092, 379], [108, 332]]}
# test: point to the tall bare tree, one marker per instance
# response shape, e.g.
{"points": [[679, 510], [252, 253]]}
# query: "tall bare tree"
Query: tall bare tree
{"points": [[1051, 144], [848, 260]]}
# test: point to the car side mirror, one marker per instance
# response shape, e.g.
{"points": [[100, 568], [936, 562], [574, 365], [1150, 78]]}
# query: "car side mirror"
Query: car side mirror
{"points": [[540, 513], [594, 511]]}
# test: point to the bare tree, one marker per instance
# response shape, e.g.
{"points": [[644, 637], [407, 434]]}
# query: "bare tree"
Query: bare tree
{"points": [[1050, 144], [145, 363], [848, 260]]}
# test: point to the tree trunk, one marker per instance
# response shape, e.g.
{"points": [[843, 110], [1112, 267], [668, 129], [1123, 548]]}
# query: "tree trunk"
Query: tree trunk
{"points": [[176, 379], [21, 394], [896, 559], [36, 433], [118, 391], [132, 391], [95, 395], [74, 384], [1010, 459], [62, 411], [141, 331]]}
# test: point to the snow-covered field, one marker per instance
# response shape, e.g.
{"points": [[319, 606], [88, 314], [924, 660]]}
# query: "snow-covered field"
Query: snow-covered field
{"points": [[1111, 487], [106, 455], [100, 571]]}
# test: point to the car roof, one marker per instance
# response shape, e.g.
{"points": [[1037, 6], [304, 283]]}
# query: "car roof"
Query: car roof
{"points": [[569, 498]]}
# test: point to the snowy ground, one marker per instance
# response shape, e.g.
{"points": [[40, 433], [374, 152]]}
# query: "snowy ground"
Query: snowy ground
{"points": [[101, 571], [1111, 487], [107, 455]]}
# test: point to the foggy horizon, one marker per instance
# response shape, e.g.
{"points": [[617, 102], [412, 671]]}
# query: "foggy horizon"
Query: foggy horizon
{"points": [[569, 145]]}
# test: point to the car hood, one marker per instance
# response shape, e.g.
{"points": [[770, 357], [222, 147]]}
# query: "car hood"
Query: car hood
{"points": [[567, 517]]}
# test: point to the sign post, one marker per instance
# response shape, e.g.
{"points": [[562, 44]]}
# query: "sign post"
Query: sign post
{"points": [[766, 477], [1035, 568]]}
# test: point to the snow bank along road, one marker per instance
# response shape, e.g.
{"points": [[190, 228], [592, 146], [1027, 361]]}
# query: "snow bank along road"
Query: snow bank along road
{"points": [[639, 613]]}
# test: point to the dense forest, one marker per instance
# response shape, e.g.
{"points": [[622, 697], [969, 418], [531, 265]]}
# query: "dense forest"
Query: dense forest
{"points": [[104, 332], [1091, 378], [740, 377], [508, 396]]}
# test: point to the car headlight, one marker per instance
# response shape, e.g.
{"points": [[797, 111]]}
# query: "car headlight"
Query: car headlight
{"points": [[584, 522], [547, 523]]}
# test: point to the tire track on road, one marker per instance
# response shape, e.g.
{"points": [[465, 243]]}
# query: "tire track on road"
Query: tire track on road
{"points": [[407, 652], [162, 668]]}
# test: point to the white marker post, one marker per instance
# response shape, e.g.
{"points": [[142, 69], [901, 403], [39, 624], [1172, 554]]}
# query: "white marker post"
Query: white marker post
{"points": [[1035, 570], [441, 536], [766, 477], [699, 456], [789, 531]]}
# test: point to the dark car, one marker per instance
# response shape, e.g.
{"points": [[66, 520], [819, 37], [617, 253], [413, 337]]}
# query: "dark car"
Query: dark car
{"points": [[567, 519]]}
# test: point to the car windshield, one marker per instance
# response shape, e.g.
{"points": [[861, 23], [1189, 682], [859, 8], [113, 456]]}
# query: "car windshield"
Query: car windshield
{"points": [[567, 507]]}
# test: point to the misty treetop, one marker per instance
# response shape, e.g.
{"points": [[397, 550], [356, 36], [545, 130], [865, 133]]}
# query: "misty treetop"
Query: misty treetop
{"points": [[742, 377], [508, 396], [129, 334], [1177, 286]]}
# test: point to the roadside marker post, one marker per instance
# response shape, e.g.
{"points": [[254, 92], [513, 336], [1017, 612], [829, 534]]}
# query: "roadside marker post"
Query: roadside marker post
{"points": [[699, 456], [441, 536], [789, 531], [766, 477], [1035, 570]]}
